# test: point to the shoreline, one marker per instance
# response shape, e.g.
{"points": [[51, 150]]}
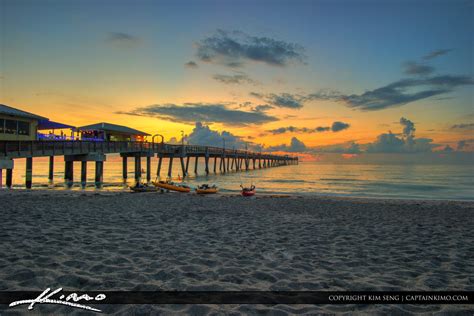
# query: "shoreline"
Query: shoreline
{"points": [[236, 193]]}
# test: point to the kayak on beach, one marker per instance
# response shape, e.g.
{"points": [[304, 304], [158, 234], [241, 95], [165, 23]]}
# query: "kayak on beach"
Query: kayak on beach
{"points": [[248, 191], [207, 189], [168, 185], [140, 187]]}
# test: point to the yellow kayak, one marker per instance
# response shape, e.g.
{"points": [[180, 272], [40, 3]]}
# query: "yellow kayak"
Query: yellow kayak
{"points": [[171, 186], [206, 189]]}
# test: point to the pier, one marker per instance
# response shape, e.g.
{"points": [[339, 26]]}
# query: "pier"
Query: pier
{"points": [[217, 159]]}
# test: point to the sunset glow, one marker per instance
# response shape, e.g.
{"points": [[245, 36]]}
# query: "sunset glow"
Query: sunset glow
{"points": [[265, 83]]}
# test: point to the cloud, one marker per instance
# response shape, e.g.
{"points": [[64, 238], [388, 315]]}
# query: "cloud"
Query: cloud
{"points": [[436, 53], [336, 127], [191, 64], [295, 146], [339, 126], [233, 79], [256, 108], [466, 126], [408, 128], [413, 68], [322, 128], [262, 108], [234, 49], [407, 143], [404, 142], [282, 100], [464, 143], [398, 93], [122, 38], [204, 136], [461, 145], [189, 113]]}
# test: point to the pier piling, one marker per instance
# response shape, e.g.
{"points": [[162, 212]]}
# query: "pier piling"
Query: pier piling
{"points": [[183, 168], [160, 160], [9, 178], [138, 169], [148, 169], [196, 165], [51, 171], [170, 167], [99, 174], [83, 174], [29, 172], [69, 173], [187, 165], [124, 169], [206, 161]]}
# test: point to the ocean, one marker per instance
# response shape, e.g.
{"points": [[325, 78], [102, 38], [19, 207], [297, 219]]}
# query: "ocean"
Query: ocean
{"points": [[404, 181]]}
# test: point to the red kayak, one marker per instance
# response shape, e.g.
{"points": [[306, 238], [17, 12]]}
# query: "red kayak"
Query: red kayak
{"points": [[248, 191]]}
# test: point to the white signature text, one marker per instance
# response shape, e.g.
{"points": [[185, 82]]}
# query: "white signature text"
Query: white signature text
{"points": [[71, 300]]}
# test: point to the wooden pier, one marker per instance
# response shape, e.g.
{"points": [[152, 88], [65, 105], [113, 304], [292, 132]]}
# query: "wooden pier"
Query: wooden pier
{"points": [[224, 160]]}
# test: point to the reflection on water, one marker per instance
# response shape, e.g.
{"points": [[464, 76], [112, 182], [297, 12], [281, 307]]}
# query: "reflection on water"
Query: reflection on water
{"points": [[374, 180]]}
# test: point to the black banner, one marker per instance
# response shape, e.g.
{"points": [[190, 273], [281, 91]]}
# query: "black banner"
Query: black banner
{"points": [[247, 297]]}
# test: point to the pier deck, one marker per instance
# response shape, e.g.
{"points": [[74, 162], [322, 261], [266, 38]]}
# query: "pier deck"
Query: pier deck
{"points": [[96, 151]]}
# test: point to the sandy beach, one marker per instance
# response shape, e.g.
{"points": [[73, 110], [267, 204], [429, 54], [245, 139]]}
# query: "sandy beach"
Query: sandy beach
{"points": [[124, 241]]}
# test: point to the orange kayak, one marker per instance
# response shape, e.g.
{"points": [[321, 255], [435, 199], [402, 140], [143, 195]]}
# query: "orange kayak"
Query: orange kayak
{"points": [[171, 186]]}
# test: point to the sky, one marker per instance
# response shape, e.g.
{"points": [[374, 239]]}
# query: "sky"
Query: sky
{"points": [[306, 77]]}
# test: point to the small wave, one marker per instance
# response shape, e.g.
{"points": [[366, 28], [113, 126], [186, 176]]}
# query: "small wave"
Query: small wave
{"points": [[287, 181], [339, 179], [407, 186]]}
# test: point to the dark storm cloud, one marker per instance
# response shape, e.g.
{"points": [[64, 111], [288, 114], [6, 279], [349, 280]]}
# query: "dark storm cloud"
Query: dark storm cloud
{"points": [[436, 53], [189, 113], [235, 48]]}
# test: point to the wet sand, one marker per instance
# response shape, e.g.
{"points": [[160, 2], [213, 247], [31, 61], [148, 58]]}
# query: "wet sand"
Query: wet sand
{"points": [[123, 241]]}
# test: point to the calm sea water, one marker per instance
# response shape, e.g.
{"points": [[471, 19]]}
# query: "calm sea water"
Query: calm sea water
{"points": [[371, 180]]}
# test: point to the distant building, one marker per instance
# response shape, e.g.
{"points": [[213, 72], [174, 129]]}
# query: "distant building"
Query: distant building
{"points": [[16, 124], [110, 132]]}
